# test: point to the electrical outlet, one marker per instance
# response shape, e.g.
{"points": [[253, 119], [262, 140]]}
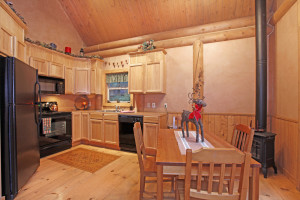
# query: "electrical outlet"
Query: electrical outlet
{"points": [[148, 105], [153, 105], [166, 105]]}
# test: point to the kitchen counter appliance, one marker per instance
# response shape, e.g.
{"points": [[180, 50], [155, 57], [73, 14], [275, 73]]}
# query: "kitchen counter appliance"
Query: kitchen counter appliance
{"points": [[55, 129], [52, 85], [20, 155], [126, 135]]}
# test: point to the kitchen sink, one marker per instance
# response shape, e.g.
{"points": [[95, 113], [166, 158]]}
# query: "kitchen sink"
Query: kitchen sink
{"points": [[115, 111]]}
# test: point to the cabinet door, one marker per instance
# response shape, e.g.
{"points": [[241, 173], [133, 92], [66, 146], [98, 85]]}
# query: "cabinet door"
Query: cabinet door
{"points": [[6, 43], [69, 80], [85, 118], [136, 78], [76, 126], [154, 77], [82, 81], [93, 81], [56, 70], [96, 130], [111, 132], [39, 64], [21, 50], [150, 132]]}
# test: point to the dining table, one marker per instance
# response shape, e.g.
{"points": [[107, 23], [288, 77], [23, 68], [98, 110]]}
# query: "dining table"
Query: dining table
{"points": [[171, 160]]}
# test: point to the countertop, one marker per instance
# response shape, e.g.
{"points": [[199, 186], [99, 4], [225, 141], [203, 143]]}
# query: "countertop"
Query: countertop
{"points": [[154, 114]]}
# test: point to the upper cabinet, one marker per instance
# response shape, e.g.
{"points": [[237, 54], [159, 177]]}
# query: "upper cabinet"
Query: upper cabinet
{"points": [[96, 74], [147, 72], [82, 80], [11, 33]]}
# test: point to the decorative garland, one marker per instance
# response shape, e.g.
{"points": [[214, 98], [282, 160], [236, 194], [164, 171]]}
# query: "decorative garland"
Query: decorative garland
{"points": [[48, 46], [10, 4]]}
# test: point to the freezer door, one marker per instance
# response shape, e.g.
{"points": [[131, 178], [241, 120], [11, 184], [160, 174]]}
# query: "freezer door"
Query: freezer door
{"points": [[25, 79], [28, 153]]}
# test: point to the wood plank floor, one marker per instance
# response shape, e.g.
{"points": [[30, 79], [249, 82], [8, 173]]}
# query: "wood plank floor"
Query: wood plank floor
{"points": [[118, 180]]}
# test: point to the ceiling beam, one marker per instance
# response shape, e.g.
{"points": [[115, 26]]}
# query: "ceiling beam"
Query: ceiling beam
{"points": [[195, 30], [280, 12], [231, 34]]}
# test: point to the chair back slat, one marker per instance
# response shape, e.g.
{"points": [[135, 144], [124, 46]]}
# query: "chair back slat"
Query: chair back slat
{"points": [[199, 178], [210, 178], [219, 160], [140, 148], [242, 137], [222, 174], [232, 178]]}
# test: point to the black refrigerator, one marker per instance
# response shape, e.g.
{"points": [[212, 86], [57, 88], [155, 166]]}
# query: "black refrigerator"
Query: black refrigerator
{"points": [[20, 156]]}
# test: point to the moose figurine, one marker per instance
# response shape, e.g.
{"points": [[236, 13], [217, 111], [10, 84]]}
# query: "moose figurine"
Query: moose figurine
{"points": [[194, 117]]}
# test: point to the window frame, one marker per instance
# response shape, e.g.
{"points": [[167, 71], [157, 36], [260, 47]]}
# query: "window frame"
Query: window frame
{"points": [[105, 90]]}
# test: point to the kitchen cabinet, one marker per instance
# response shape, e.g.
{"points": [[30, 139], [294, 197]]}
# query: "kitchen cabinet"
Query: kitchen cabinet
{"points": [[111, 130], [96, 128], [136, 78], [147, 72], [11, 33], [151, 127], [96, 75], [69, 80], [85, 120], [40, 64], [56, 70], [150, 131], [76, 127], [82, 81]]}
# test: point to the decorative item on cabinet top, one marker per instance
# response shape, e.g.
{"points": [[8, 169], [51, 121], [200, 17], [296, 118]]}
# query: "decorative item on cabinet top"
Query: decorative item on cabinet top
{"points": [[49, 46]]}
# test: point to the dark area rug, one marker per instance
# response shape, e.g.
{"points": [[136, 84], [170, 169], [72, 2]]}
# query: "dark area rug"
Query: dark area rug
{"points": [[85, 159]]}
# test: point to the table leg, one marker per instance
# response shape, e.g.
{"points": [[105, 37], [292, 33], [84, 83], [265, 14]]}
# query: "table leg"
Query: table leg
{"points": [[254, 184], [159, 182]]}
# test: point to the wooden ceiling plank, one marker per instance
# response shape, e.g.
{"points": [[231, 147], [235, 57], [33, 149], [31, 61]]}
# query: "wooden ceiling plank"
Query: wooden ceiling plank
{"points": [[102, 21]]}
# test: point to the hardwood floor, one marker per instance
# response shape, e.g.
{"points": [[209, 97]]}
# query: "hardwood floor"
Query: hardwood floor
{"points": [[118, 180]]}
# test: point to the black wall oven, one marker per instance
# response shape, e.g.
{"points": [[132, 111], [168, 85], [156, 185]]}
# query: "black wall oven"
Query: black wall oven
{"points": [[55, 132]]}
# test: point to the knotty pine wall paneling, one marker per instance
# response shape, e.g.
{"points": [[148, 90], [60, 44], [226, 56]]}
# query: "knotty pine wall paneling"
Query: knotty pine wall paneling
{"points": [[285, 110]]}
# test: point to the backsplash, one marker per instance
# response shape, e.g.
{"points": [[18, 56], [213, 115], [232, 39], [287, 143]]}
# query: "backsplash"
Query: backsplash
{"points": [[66, 102]]}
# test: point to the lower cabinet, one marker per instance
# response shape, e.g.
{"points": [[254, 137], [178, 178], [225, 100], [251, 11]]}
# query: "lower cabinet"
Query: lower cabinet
{"points": [[150, 131], [111, 132], [96, 130], [76, 127], [85, 119]]}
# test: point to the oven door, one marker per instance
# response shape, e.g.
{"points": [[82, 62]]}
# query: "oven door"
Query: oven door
{"points": [[55, 129]]}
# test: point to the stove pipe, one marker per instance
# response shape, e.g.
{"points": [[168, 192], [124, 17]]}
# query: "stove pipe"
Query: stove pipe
{"points": [[261, 65]]}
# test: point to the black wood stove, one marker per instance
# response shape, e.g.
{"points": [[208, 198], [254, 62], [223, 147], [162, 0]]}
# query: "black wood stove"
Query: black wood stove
{"points": [[263, 150]]}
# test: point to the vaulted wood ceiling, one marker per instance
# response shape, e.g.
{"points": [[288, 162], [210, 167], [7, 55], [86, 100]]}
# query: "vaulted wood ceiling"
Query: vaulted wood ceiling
{"points": [[100, 21]]}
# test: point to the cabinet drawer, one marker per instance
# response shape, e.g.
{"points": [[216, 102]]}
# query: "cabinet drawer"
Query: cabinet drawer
{"points": [[113, 117], [96, 115], [151, 119]]}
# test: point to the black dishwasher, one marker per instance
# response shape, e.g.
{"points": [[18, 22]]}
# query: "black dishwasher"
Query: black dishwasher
{"points": [[126, 135]]}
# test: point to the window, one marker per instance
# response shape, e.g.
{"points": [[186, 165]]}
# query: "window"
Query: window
{"points": [[117, 88]]}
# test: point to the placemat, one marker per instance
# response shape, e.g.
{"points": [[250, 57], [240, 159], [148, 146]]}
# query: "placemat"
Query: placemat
{"points": [[190, 142]]}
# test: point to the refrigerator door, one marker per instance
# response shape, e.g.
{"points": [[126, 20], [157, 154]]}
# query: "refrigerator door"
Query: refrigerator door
{"points": [[28, 153], [25, 79]]}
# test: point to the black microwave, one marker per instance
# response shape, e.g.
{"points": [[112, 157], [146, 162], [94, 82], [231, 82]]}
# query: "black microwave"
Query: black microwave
{"points": [[52, 85]]}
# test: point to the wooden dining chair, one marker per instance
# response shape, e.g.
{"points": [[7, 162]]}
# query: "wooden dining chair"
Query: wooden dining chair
{"points": [[211, 166], [242, 137], [147, 164]]}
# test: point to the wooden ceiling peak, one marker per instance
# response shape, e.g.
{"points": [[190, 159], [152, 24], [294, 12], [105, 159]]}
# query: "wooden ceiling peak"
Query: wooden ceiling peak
{"points": [[101, 21]]}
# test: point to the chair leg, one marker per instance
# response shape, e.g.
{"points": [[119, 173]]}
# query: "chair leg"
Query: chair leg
{"points": [[142, 186], [173, 179], [177, 195]]}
